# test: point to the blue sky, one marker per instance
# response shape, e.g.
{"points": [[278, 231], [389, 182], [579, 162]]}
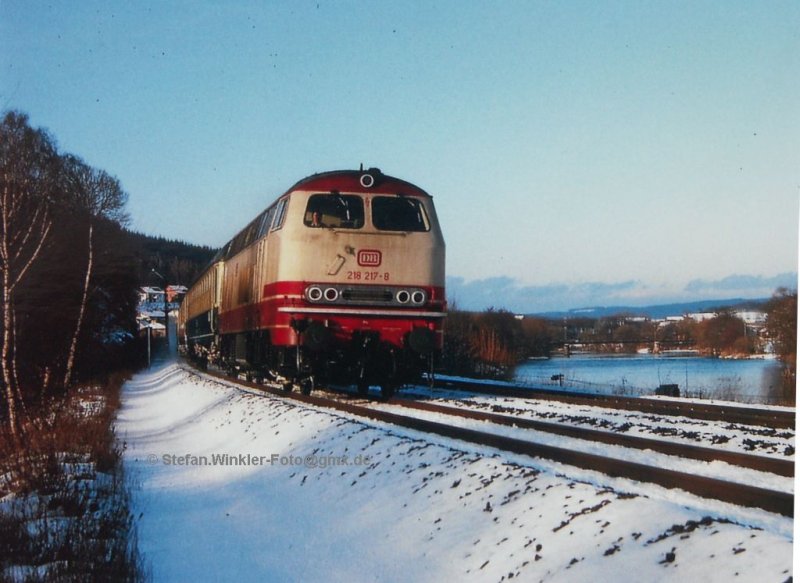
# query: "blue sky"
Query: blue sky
{"points": [[579, 153]]}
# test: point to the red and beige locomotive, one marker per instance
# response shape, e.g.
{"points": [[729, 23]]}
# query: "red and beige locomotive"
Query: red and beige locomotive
{"points": [[341, 279]]}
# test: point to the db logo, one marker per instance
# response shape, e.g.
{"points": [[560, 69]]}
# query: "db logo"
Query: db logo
{"points": [[369, 258]]}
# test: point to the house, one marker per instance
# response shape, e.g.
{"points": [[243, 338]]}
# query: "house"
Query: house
{"points": [[151, 295], [175, 293]]}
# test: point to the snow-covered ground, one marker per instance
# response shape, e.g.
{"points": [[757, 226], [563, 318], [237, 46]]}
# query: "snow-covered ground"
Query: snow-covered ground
{"points": [[719, 470], [769, 442], [307, 494]]}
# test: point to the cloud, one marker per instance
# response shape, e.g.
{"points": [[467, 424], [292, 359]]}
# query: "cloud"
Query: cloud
{"points": [[511, 294], [508, 293], [743, 284]]}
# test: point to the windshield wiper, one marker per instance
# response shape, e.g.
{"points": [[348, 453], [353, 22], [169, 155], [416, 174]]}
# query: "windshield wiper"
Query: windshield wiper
{"points": [[341, 200]]}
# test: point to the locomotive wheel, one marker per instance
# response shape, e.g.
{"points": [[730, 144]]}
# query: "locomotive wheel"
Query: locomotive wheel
{"points": [[307, 385]]}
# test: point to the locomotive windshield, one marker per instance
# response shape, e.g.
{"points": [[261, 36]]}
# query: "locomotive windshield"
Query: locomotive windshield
{"points": [[398, 213], [340, 211]]}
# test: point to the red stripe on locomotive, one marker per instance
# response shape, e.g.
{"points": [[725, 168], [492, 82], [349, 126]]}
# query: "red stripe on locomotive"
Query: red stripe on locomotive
{"points": [[283, 301]]}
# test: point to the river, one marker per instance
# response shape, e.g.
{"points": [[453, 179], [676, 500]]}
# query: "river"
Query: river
{"points": [[746, 381]]}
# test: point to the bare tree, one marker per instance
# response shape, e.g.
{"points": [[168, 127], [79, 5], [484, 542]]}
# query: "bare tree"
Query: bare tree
{"points": [[782, 329], [91, 190], [73, 347], [101, 196], [27, 180]]}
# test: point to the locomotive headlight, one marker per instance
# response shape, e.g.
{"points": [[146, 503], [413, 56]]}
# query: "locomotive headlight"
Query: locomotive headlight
{"points": [[402, 297], [313, 293], [367, 180], [331, 294], [418, 297]]}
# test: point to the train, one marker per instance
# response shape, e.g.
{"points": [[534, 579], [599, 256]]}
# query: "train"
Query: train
{"points": [[340, 280]]}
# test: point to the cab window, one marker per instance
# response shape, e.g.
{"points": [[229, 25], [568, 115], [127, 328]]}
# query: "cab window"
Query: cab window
{"points": [[280, 213], [265, 221], [334, 211], [398, 213]]}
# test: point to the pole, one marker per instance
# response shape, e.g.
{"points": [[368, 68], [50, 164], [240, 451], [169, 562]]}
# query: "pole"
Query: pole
{"points": [[166, 311], [166, 318]]}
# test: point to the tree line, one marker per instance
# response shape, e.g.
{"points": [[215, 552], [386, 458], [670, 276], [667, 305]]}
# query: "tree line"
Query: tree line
{"points": [[179, 263], [66, 278], [492, 342], [68, 283], [69, 270]]}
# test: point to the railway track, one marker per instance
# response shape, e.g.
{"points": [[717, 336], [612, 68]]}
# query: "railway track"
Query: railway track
{"points": [[754, 462], [710, 412], [726, 491]]}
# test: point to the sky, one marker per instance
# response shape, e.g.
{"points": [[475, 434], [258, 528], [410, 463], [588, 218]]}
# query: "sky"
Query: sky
{"points": [[579, 153]]}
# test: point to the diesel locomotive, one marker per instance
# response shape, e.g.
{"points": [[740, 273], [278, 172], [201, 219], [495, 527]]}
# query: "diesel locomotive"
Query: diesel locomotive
{"points": [[341, 279]]}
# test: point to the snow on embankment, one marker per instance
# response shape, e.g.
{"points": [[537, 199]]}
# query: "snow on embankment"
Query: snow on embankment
{"points": [[236, 486]]}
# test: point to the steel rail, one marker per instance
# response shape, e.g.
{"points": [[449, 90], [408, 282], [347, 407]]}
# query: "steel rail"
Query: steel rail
{"points": [[755, 462], [725, 491], [732, 414]]}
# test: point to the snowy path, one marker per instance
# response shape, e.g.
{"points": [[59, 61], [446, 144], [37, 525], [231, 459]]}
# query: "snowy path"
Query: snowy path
{"points": [[407, 507]]}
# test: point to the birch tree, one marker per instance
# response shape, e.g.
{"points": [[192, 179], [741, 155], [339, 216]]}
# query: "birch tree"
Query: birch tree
{"points": [[101, 196], [28, 161], [91, 190]]}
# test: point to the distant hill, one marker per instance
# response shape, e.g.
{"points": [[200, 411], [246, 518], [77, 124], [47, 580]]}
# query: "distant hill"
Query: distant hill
{"points": [[177, 261], [657, 312]]}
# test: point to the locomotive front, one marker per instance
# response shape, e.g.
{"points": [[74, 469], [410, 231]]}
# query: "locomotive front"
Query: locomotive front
{"points": [[366, 255]]}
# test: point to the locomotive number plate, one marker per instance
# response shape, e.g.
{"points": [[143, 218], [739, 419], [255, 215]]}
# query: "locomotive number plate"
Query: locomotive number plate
{"points": [[368, 276]]}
